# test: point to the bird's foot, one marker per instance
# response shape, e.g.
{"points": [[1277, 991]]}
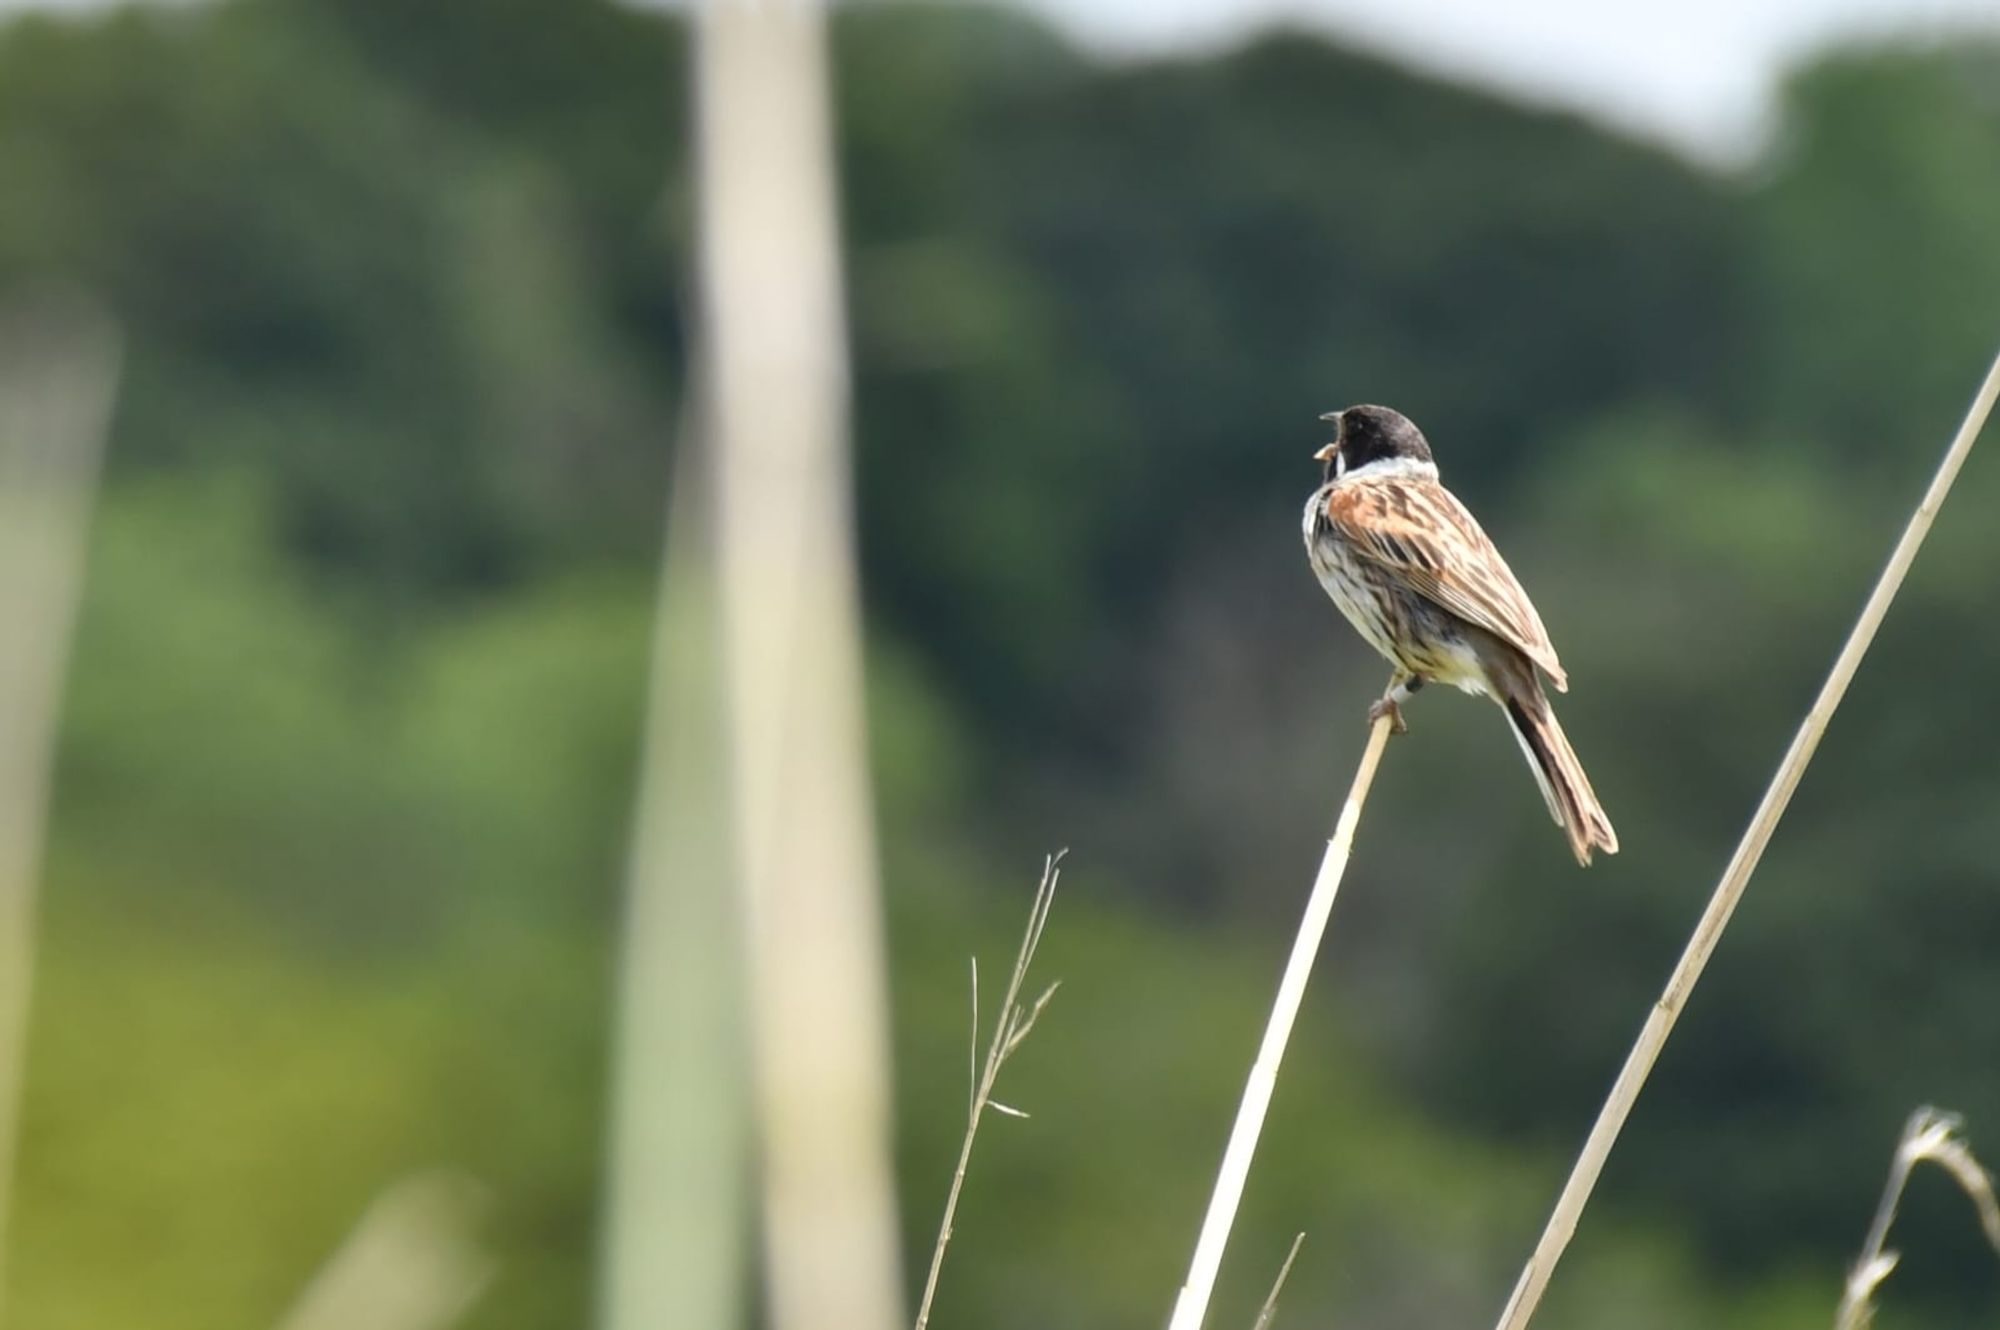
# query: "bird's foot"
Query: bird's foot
{"points": [[1401, 686]]}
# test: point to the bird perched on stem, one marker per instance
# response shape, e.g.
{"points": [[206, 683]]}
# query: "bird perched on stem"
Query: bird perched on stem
{"points": [[1415, 575]]}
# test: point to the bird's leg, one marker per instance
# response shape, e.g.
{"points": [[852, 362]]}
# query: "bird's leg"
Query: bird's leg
{"points": [[1401, 685]]}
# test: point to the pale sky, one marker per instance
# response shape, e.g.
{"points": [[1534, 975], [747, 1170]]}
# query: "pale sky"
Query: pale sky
{"points": [[1699, 74]]}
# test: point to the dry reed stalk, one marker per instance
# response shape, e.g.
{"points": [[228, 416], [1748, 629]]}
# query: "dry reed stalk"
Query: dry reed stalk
{"points": [[799, 800], [1928, 1135], [1010, 1028], [1192, 1305], [1666, 1010]]}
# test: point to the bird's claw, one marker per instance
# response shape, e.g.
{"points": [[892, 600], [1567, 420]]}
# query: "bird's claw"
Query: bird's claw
{"points": [[1387, 706]]}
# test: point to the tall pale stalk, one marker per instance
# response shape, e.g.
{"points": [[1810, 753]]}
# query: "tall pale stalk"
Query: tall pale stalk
{"points": [[799, 801], [58, 376], [676, 1169]]}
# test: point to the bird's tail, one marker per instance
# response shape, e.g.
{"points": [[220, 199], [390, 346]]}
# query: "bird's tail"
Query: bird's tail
{"points": [[1571, 801]]}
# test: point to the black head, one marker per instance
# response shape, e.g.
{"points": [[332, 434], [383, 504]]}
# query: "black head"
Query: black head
{"points": [[1365, 434]]}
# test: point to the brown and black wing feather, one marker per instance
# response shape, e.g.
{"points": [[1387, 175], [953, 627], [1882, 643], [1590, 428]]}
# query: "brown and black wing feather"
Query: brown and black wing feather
{"points": [[1417, 530]]}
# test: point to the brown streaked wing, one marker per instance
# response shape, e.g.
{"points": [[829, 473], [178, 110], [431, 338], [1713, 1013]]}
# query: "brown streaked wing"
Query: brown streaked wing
{"points": [[1419, 530]]}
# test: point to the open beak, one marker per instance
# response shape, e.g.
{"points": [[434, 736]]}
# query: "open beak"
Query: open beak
{"points": [[1326, 454], [1330, 454]]}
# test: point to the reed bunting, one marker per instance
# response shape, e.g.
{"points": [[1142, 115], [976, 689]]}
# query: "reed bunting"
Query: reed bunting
{"points": [[1412, 571]]}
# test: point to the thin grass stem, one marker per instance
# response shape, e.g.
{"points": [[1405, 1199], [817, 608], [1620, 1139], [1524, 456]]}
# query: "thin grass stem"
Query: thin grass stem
{"points": [[1010, 1028], [1928, 1135]]}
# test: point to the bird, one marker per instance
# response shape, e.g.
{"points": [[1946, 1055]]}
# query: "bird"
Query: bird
{"points": [[1412, 570]]}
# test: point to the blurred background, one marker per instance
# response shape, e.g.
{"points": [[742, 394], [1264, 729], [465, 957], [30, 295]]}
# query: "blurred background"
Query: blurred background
{"points": [[344, 774]]}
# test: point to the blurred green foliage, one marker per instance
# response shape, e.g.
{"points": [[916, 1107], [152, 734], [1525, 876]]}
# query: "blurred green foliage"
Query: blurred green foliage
{"points": [[349, 742]]}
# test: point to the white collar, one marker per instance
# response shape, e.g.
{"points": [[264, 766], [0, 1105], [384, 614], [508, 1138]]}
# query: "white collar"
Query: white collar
{"points": [[1392, 468]]}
